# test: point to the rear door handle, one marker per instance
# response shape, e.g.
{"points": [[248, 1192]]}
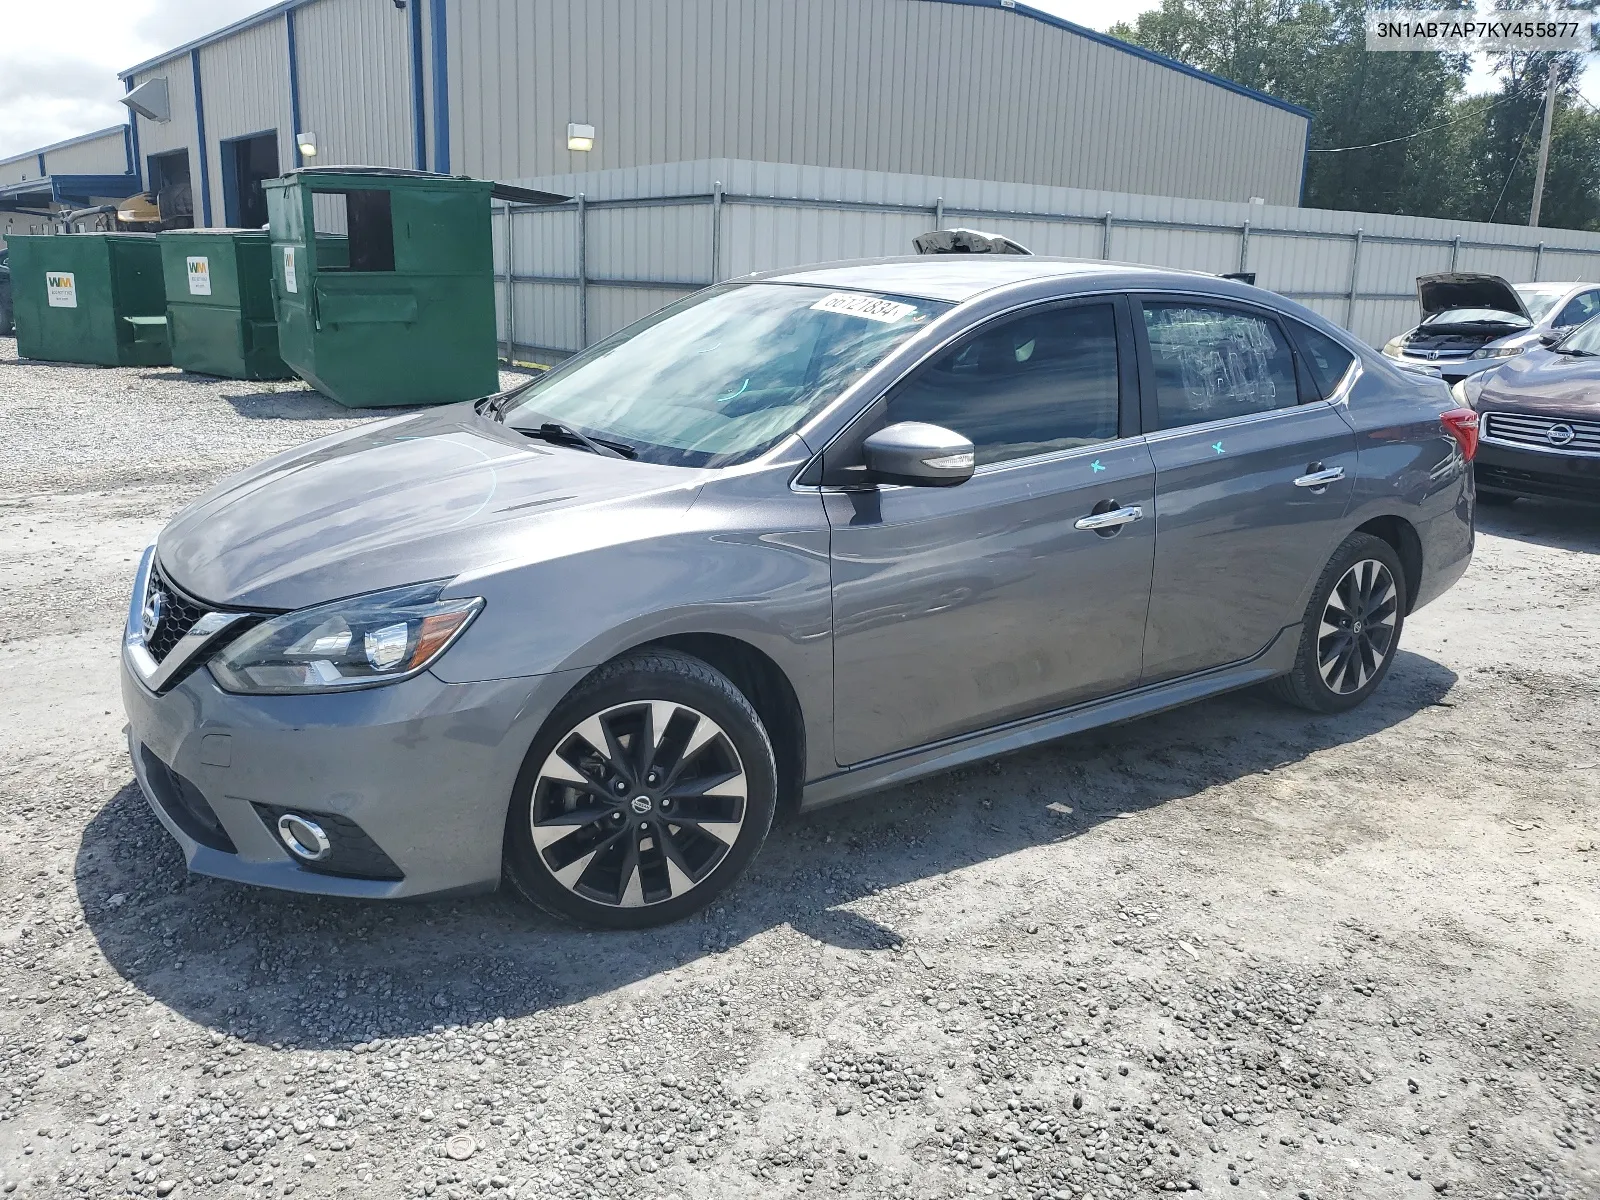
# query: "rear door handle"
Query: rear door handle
{"points": [[1318, 479], [1114, 519]]}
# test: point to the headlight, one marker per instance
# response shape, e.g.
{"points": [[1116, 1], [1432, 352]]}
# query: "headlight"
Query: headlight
{"points": [[359, 642], [1393, 345], [1497, 351]]}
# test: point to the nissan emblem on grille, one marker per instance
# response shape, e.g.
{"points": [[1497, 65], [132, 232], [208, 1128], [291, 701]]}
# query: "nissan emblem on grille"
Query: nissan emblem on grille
{"points": [[150, 618], [1560, 435]]}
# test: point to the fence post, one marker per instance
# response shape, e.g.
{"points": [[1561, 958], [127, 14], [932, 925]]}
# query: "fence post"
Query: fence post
{"points": [[1355, 273], [511, 284], [1455, 251], [1105, 238], [938, 213], [1244, 247], [1538, 261], [716, 232], [583, 273]]}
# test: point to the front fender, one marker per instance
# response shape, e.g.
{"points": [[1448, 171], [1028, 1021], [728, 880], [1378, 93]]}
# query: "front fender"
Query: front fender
{"points": [[745, 562]]}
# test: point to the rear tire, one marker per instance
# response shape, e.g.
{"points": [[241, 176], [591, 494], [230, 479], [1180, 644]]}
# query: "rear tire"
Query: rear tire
{"points": [[646, 794], [1351, 628]]}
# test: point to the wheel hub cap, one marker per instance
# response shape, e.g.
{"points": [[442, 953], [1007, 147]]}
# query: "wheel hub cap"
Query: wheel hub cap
{"points": [[1356, 635], [638, 803]]}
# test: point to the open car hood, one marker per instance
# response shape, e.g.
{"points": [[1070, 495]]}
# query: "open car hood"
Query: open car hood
{"points": [[1457, 289]]}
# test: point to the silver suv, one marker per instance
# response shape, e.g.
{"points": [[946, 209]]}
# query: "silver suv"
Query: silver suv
{"points": [[792, 539]]}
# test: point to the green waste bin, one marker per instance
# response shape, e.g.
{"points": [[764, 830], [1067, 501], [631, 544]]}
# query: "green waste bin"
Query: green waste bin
{"points": [[90, 298], [398, 306], [219, 302]]}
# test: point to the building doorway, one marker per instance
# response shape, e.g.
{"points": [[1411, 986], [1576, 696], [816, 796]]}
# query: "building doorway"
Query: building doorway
{"points": [[246, 161], [169, 184]]}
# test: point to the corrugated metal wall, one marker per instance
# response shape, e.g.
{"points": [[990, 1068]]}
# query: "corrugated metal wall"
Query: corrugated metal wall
{"points": [[103, 155], [890, 85], [246, 83], [355, 81], [774, 216]]}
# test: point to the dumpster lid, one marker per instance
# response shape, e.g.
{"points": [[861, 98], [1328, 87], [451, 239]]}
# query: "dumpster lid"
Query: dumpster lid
{"points": [[500, 191]]}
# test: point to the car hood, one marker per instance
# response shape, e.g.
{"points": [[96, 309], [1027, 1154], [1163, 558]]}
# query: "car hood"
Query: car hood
{"points": [[391, 503], [1542, 381], [1457, 289]]}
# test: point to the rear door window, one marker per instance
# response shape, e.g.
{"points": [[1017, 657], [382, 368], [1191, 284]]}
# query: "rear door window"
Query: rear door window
{"points": [[1214, 363]]}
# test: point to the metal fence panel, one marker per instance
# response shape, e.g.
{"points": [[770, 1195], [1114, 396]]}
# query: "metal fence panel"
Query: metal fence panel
{"points": [[643, 236]]}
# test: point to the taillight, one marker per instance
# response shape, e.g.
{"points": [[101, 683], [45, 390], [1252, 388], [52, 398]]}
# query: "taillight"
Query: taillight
{"points": [[1462, 424]]}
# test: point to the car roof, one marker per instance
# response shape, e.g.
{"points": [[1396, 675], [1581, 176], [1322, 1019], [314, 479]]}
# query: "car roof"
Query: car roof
{"points": [[959, 277]]}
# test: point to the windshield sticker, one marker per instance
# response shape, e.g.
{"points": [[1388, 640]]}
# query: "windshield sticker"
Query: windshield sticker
{"points": [[873, 308], [288, 269], [199, 276], [62, 287]]}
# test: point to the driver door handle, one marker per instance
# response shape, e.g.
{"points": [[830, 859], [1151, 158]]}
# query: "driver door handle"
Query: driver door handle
{"points": [[1320, 478], [1114, 519]]}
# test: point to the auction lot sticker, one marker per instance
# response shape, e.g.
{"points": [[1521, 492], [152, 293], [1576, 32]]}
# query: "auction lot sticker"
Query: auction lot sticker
{"points": [[62, 287], [199, 276], [873, 308]]}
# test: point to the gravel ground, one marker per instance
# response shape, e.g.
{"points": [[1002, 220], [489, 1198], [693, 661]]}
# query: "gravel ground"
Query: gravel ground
{"points": [[1235, 949]]}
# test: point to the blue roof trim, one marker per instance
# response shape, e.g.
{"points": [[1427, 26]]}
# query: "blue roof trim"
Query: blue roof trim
{"points": [[1094, 35], [1105, 39], [74, 187], [71, 141]]}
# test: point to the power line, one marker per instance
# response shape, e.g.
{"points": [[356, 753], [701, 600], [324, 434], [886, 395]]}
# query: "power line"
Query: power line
{"points": [[1521, 146], [1432, 129]]}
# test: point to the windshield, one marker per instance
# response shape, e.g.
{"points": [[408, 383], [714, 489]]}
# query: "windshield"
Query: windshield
{"points": [[1585, 339], [720, 377], [1476, 316], [1539, 301]]}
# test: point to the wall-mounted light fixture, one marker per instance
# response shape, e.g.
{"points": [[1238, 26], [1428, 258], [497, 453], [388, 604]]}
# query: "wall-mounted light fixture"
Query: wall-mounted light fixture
{"points": [[580, 137], [307, 143]]}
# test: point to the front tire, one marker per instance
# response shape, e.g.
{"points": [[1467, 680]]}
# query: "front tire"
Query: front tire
{"points": [[645, 795], [1351, 629]]}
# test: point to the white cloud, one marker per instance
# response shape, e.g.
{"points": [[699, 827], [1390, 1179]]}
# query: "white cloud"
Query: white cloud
{"points": [[58, 65]]}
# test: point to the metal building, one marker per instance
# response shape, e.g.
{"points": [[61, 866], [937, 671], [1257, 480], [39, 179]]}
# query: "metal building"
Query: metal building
{"points": [[502, 88], [95, 168]]}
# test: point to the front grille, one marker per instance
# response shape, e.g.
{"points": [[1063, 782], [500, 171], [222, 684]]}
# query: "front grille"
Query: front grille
{"points": [[1520, 429], [178, 615], [185, 804], [1450, 355], [350, 851]]}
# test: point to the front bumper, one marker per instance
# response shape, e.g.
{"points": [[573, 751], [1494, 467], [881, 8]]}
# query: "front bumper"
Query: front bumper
{"points": [[1549, 474], [1451, 370], [423, 768]]}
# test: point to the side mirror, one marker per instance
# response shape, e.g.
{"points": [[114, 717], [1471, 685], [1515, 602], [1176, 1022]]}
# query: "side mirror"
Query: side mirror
{"points": [[1554, 336], [919, 455]]}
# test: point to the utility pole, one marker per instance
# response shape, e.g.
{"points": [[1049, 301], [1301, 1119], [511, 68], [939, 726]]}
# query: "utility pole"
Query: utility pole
{"points": [[1544, 146]]}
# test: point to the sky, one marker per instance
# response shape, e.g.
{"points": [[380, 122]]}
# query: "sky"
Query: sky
{"points": [[58, 65]]}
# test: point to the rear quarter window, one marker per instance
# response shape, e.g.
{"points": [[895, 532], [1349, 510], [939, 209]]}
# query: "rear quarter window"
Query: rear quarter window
{"points": [[1325, 358]]}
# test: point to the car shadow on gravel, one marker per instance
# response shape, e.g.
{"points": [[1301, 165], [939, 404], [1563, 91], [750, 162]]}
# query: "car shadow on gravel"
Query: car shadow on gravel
{"points": [[1551, 523], [293, 403], [315, 972]]}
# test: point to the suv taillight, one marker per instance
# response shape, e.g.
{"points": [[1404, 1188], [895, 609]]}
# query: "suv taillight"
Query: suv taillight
{"points": [[1462, 424]]}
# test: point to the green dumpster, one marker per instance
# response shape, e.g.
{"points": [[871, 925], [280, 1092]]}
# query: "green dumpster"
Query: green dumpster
{"points": [[219, 302], [401, 310], [90, 298]]}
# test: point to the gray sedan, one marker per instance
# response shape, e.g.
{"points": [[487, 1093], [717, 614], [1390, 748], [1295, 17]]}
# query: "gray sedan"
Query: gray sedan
{"points": [[795, 538]]}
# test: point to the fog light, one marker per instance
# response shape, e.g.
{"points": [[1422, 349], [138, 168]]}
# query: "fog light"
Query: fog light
{"points": [[303, 837]]}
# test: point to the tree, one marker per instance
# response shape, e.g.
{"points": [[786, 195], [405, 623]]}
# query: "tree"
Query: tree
{"points": [[1393, 132]]}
